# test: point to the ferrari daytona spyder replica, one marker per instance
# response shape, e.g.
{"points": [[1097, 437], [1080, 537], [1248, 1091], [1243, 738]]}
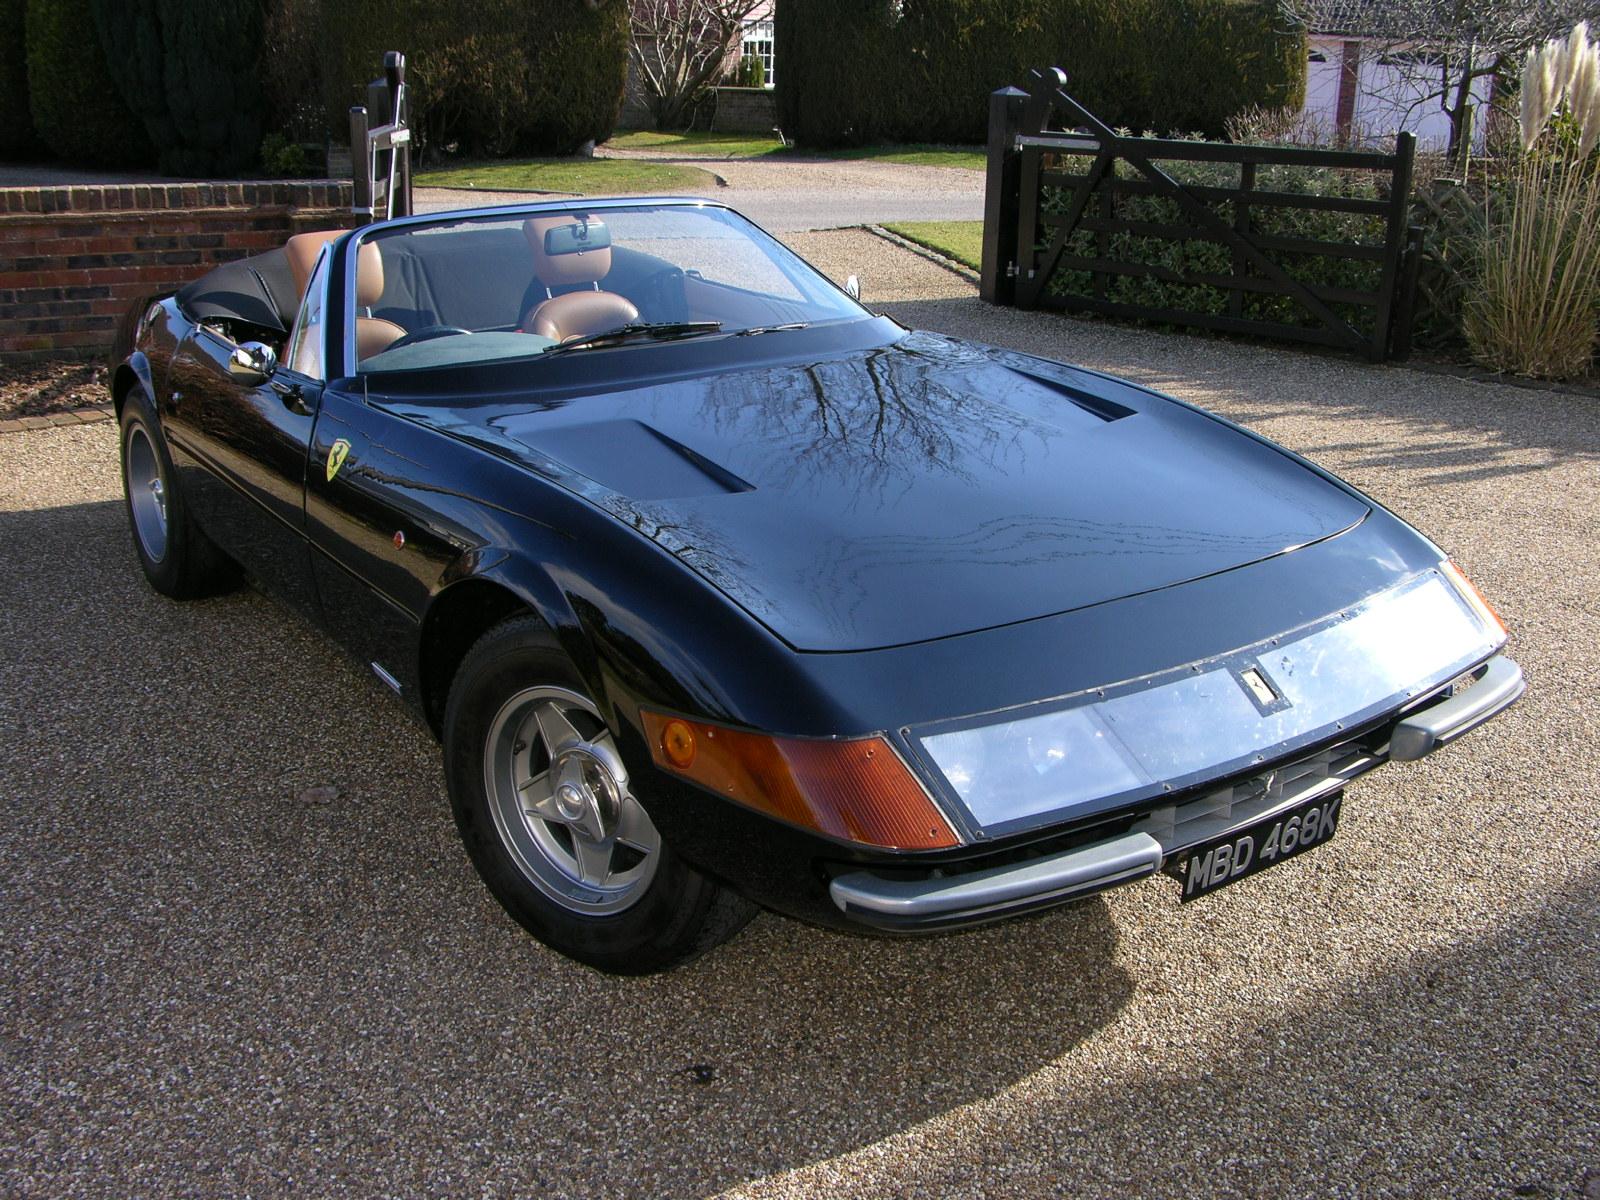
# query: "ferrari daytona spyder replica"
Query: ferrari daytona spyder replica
{"points": [[720, 590]]}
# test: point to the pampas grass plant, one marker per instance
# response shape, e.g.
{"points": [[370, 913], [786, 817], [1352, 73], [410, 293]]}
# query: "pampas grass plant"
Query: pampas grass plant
{"points": [[1536, 308]]}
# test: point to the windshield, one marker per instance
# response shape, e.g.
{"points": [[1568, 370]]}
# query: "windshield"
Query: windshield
{"points": [[582, 280]]}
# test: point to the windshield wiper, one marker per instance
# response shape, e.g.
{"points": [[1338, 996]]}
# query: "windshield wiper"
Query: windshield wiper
{"points": [[755, 329], [658, 331]]}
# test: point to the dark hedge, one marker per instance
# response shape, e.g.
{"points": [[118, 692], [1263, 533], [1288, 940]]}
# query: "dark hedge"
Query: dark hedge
{"points": [[488, 77], [191, 72], [861, 71], [17, 138], [77, 108]]}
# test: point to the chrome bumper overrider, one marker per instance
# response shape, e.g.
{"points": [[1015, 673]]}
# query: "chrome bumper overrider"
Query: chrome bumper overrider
{"points": [[946, 901], [1424, 731]]}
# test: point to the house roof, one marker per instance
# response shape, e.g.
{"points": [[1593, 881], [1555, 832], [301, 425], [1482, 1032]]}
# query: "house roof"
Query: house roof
{"points": [[1411, 19], [1362, 18]]}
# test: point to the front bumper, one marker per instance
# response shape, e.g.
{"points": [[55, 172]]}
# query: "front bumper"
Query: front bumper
{"points": [[936, 901]]}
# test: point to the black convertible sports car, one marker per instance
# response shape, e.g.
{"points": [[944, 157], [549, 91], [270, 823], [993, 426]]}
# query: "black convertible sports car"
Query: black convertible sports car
{"points": [[720, 589]]}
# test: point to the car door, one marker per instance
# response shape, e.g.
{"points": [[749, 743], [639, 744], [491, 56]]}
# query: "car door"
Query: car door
{"points": [[241, 448], [387, 522]]}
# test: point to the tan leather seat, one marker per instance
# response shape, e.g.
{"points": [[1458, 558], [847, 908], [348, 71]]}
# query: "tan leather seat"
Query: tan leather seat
{"points": [[372, 333], [576, 313]]}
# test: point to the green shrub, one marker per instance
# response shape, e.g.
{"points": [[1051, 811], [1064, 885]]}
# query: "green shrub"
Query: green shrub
{"points": [[17, 138], [77, 107], [488, 77], [191, 72], [749, 72], [574, 70], [282, 159], [921, 70]]}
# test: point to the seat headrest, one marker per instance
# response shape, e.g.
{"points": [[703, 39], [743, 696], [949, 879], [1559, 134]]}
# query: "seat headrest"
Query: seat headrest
{"points": [[302, 250], [553, 270]]}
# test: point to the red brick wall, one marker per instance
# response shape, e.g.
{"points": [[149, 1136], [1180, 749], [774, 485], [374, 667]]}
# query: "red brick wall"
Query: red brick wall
{"points": [[72, 259]]}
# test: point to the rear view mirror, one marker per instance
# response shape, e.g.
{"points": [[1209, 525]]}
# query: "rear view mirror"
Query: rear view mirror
{"points": [[577, 237], [251, 363]]}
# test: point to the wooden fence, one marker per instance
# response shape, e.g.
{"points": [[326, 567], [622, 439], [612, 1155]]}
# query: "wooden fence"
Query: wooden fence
{"points": [[1087, 219]]}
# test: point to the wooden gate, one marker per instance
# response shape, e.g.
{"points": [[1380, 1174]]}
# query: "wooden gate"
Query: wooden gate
{"points": [[1063, 228]]}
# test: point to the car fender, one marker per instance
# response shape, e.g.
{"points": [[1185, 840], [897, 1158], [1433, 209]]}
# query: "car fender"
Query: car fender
{"points": [[662, 638], [133, 371]]}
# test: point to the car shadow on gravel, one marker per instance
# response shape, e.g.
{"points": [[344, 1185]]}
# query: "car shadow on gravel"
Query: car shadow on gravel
{"points": [[1455, 429], [1463, 1070], [280, 966]]}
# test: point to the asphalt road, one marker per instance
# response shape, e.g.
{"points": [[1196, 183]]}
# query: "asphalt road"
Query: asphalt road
{"points": [[211, 986], [787, 195]]}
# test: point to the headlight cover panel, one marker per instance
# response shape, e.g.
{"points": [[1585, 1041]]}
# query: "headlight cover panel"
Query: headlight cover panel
{"points": [[1106, 749]]}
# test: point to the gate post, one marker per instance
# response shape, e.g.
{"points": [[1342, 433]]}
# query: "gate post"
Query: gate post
{"points": [[380, 154], [1394, 243], [1002, 197]]}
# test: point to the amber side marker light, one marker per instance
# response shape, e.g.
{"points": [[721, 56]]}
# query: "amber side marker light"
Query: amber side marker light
{"points": [[1472, 595], [856, 789]]}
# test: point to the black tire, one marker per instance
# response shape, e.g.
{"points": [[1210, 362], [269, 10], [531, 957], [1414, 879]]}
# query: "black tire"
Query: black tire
{"points": [[181, 562], [676, 916]]}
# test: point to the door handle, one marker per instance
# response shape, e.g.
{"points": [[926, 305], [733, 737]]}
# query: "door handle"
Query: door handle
{"points": [[294, 399]]}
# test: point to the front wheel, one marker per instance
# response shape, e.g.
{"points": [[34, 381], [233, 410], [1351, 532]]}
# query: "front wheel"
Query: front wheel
{"points": [[177, 558], [548, 815]]}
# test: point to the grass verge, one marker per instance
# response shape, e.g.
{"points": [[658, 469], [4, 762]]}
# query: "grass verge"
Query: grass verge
{"points": [[921, 155], [960, 240], [581, 176], [754, 145], [698, 145]]}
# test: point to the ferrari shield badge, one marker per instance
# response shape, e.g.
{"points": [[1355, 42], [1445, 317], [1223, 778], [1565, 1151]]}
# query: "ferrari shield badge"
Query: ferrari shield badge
{"points": [[337, 453]]}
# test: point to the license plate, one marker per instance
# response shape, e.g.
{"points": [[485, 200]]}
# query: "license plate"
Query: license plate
{"points": [[1242, 853]]}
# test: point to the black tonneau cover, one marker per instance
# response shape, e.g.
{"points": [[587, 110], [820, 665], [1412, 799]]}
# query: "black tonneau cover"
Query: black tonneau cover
{"points": [[259, 290]]}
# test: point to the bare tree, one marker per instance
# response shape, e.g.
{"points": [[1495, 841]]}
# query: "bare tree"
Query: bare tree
{"points": [[1464, 40], [680, 48]]}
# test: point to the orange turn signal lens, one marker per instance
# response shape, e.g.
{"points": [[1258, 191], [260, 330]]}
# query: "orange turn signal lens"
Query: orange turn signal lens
{"points": [[1471, 594], [677, 743], [855, 789]]}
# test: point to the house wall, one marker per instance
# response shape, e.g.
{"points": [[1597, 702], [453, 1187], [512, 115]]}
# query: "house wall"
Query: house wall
{"points": [[635, 104], [1389, 95], [1323, 74], [72, 259]]}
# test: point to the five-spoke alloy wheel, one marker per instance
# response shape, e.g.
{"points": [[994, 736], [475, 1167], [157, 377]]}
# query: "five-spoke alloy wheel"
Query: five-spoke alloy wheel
{"points": [[553, 821], [177, 557], [558, 793]]}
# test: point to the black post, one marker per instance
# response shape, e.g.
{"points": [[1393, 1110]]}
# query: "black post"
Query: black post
{"points": [[1394, 243], [1405, 314], [1002, 197]]}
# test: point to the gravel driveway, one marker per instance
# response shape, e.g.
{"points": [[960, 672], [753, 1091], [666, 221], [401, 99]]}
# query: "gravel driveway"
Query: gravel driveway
{"points": [[212, 986]]}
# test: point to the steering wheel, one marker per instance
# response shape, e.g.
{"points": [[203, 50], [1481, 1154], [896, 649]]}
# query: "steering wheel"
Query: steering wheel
{"points": [[664, 291], [426, 334]]}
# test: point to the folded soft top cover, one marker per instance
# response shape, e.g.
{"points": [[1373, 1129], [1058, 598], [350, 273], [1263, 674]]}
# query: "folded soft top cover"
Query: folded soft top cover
{"points": [[258, 290]]}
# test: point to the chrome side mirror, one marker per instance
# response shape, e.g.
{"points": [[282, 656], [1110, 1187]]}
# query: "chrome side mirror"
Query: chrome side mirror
{"points": [[252, 363], [852, 287]]}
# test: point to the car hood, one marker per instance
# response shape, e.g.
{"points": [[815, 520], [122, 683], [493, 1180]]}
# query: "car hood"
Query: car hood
{"points": [[918, 490]]}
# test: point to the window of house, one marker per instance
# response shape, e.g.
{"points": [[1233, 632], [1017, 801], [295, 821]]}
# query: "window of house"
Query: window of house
{"points": [[757, 43]]}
